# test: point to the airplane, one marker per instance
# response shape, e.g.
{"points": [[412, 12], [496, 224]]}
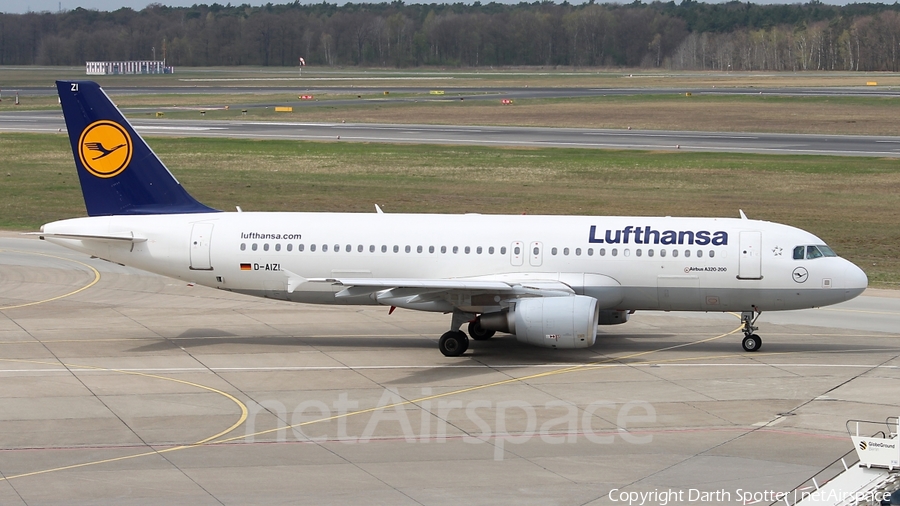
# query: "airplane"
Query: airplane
{"points": [[548, 280]]}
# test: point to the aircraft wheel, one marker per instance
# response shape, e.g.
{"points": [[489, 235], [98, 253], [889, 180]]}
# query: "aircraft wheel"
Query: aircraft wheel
{"points": [[477, 333], [453, 343], [465, 340], [752, 343]]}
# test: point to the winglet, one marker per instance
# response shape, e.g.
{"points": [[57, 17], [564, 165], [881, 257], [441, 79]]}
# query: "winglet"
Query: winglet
{"points": [[119, 173], [743, 216], [378, 209]]}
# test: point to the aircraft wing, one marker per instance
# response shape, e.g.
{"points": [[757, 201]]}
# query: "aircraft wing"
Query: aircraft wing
{"points": [[355, 287]]}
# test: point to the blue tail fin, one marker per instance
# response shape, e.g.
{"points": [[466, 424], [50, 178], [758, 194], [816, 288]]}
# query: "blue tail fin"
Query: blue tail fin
{"points": [[119, 173]]}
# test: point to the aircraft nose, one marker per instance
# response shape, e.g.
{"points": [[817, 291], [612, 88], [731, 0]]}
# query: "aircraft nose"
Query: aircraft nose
{"points": [[855, 280]]}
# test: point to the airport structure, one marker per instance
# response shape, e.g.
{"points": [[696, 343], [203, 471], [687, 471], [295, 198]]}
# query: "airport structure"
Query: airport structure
{"points": [[106, 68]]}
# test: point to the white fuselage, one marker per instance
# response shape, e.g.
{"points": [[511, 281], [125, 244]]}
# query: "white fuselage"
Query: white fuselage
{"points": [[690, 264]]}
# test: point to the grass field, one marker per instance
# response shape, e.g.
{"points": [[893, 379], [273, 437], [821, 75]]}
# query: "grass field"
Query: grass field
{"points": [[851, 203]]}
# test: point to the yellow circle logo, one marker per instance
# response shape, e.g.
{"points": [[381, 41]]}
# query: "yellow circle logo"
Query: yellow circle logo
{"points": [[105, 148]]}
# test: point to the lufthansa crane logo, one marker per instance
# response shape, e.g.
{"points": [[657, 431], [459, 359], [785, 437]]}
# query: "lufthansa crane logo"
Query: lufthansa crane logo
{"points": [[105, 148]]}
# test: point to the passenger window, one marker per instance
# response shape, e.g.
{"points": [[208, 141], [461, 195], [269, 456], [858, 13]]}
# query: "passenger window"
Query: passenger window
{"points": [[699, 253], [712, 253], [324, 248], [266, 247], [798, 252], [553, 251], [431, 249], [649, 252], [614, 252], [349, 248], [407, 249], [566, 251], [312, 247], [243, 246], [602, 252], [578, 252], [290, 247], [468, 249], [418, 249], [503, 250], [590, 252], [812, 252], [687, 253], [359, 249], [396, 249], [674, 252], [626, 252], [517, 250], [299, 247], [455, 250], [662, 253], [278, 247], [443, 249], [637, 252], [478, 250], [384, 248], [371, 248], [491, 250]]}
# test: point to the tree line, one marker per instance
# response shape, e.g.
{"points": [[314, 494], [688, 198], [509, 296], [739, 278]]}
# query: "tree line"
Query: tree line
{"points": [[691, 35]]}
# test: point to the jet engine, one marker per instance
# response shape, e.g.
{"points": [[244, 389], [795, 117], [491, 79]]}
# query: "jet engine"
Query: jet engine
{"points": [[551, 322]]}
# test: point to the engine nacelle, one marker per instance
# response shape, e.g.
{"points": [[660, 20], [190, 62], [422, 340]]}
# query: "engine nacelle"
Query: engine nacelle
{"points": [[613, 317], [551, 322]]}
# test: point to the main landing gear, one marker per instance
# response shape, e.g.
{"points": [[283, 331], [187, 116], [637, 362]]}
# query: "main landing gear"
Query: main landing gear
{"points": [[455, 342], [477, 332], [751, 341]]}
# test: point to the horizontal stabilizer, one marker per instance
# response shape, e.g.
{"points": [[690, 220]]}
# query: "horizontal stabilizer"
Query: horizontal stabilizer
{"points": [[126, 237]]}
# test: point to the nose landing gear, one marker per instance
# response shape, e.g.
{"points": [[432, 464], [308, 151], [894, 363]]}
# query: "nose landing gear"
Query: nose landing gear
{"points": [[751, 341]]}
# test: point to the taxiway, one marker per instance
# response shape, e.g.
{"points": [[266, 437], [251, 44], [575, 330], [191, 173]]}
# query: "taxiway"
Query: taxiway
{"points": [[125, 387]]}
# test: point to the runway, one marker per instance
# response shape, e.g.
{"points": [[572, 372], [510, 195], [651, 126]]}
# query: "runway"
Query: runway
{"points": [[838, 145], [125, 387]]}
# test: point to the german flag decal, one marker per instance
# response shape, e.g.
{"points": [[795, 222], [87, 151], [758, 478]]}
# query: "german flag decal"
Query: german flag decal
{"points": [[246, 267]]}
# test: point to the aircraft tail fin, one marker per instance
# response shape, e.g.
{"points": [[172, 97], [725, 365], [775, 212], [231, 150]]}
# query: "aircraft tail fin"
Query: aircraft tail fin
{"points": [[118, 171]]}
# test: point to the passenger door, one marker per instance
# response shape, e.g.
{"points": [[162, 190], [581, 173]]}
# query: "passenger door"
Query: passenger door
{"points": [[201, 236], [750, 263]]}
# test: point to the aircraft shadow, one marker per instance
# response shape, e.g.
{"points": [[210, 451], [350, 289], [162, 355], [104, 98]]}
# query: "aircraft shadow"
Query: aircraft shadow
{"points": [[506, 350]]}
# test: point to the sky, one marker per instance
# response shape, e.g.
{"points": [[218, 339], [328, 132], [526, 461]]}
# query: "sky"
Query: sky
{"points": [[22, 6]]}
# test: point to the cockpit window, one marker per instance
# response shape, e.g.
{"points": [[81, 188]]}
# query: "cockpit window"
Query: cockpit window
{"points": [[813, 252]]}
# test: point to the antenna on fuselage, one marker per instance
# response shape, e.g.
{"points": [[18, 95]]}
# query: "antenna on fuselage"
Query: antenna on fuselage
{"points": [[743, 216]]}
